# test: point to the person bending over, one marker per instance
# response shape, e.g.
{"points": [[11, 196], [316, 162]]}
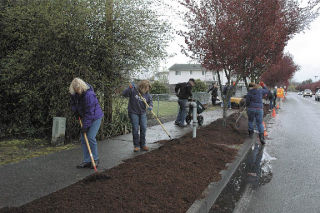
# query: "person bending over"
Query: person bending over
{"points": [[85, 106], [183, 92]]}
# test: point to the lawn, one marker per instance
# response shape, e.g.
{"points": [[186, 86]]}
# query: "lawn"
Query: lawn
{"points": [[169, 108], [166, 108], [15, 150]]}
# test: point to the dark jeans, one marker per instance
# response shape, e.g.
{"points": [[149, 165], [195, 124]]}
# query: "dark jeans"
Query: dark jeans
{"points": [[182, 111], [136, 121], [271, 103], [213, 99], [258, 115]]}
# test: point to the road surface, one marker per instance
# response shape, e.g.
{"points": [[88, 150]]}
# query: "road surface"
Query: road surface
{"points": [[293, 150]]}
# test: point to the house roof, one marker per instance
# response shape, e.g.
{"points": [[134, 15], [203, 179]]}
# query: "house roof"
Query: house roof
{"points": [[186, 67]]}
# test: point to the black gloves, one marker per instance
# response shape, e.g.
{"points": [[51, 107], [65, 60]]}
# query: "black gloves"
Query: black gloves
{"points": [[77, 115]]}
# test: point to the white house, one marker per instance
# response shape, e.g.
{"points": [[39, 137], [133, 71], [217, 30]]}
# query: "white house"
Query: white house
{"points": [[183, 72]]}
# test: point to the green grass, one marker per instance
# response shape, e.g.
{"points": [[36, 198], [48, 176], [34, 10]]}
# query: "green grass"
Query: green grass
{"points": [[16, 150], [166, 108], [169, 108]]}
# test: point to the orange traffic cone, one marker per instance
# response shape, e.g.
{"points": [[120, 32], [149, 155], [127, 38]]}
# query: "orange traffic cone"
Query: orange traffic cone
{"points": [[274, 113], [265, 129], [278, 106]]}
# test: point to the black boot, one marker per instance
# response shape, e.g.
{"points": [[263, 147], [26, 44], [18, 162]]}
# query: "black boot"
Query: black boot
{"points": [[84, 165], [250, 133], [261, 137]]}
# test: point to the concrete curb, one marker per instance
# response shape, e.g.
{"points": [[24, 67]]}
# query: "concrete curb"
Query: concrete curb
{"points": [[214, 189], [212, 192]]}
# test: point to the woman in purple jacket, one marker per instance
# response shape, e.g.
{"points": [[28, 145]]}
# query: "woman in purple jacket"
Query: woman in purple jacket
{"points": [[255, 108], [137, 112], [85, 106]]}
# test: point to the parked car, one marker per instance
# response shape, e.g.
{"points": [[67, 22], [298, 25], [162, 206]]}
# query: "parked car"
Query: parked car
{"points": [[300, 93], [317, 96], [307, 92]]}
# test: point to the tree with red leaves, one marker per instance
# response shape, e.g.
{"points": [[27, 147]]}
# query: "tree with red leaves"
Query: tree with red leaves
{"points": [[240, 37], [280, 73]]}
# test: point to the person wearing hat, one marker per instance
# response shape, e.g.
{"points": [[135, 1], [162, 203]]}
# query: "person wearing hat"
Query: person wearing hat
{"points": [[255, 108], [183, 92]]}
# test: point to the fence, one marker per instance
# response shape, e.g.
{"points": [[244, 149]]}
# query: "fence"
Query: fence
{"points": [[165, 106]]}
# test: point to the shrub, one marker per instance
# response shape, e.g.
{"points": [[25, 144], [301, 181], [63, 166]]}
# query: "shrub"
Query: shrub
{"points": [[200, 86], [159, 88]]}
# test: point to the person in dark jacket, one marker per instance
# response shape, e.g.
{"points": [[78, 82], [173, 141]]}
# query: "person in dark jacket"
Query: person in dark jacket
{"points": [[275, 96], [255, 108], [183, 91], [137, 112], [85, 106], [271, 99], [214, 93]]}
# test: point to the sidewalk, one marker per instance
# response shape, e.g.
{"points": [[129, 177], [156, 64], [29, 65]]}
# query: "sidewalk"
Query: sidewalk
{"points": [[34, 178]]}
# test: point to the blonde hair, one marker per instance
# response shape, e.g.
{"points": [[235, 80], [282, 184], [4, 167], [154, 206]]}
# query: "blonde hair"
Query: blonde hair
{"points": [[144, 86], [78, 83]]}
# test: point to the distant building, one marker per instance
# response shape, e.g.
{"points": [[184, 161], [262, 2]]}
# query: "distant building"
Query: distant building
{"points": [[183, 72]]}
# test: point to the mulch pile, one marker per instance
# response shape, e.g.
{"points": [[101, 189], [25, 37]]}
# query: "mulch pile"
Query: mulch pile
{"points": [[168, 179]]}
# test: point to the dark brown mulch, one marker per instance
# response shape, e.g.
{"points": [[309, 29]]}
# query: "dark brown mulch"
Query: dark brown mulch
{"points": [[168, 179]]}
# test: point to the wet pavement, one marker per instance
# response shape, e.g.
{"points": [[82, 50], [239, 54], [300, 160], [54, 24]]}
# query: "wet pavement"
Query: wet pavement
{"points": [[288, 164], [31, 179]]}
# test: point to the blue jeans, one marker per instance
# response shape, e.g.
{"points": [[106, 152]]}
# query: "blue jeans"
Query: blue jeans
{"points": [[136, 121], [229, 101], [182, 111], [91, 135], [258, 115]]}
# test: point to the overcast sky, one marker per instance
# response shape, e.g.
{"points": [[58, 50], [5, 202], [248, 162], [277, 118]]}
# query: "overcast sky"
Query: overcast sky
{"points": [[304, 47]]}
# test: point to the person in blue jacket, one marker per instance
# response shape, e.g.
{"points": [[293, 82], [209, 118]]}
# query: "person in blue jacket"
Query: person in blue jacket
{"points": [[255, 108], [137, 112], [85, 106]]}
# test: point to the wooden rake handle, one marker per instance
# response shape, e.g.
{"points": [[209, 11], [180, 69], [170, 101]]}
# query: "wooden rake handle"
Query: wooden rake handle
{"points": [[88, 146]]}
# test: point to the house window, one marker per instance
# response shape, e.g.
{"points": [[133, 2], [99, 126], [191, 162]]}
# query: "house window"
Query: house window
{"points": [[190, 72], [178, 72]]}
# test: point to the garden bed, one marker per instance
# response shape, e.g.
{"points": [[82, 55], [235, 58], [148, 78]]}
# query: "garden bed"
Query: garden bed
{"points": [[168, 179]]}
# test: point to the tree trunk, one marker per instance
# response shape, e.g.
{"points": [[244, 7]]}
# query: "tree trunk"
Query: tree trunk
{"points": [[108, 73], [246, 82], [223, 101]]}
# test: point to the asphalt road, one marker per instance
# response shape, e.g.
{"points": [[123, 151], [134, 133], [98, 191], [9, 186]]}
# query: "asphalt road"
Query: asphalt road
{"points": [[294, 150]]}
